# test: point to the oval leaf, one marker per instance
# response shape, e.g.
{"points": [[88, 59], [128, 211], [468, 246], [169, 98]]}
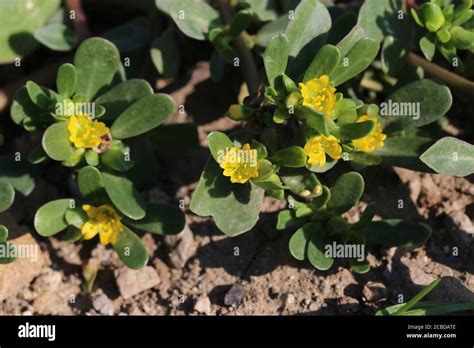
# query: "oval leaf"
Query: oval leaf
{"points": [[97, 61], [119, 98], [346, 192], [324, 63], [89, 180], [194, 18], [50, 218], [56, 36], [7, 195], [316, 248], [56, 142], [275, 57], [131, 249], [299, 241], [414, 105], [66, 81], [450, 156], [124, 195], [292, 157], [142, 116]]}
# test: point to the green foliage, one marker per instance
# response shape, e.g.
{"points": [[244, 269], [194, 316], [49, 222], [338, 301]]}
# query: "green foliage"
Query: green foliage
{"points": [[447, 29], [20, 19], [130, 109], [450, 156], [417, 307]]}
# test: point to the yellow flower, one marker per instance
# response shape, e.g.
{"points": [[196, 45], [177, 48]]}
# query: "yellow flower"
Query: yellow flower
{"points": [[317, 147], [319, 95], [372, 141], [85, 132], [103, 220], [240, 164]]}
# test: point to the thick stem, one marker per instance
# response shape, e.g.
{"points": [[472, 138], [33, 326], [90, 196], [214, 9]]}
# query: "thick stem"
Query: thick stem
{"points": [[453, 80], [247, 62]]}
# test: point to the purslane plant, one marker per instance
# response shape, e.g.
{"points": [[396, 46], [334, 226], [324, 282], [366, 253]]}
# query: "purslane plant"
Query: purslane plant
{"points": [[450, 28], [301, 125], [87, 124]]}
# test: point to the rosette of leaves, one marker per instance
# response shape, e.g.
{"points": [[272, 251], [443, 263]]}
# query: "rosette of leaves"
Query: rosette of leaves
{"points": [[319, 225], [449, 28], [417, 307], [115, 190], [128, 108]]}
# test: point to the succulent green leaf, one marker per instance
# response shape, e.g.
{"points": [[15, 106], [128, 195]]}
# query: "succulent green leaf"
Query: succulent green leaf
{"points": [[316, 249], [450, 156], [346, 192], [424, 101], [160, 219], [56, 36], [396, 232], [275, 57], [324, 63], [428, 46], [299, 241], [119, 98], [7, 195], [194, 18], [3, 233], [97, 61], [76, 217], [227, 203], [360, 56], [240, 22], [218, 142], [270, 30], [301, 182], [89, 180], [350, 131], [292, 157], [115, 158], [306, 33], [66, 80], [315, 119], [287, 219], [50, 218], [39, 95], [9, 253], [124, 195], [56, 142], [131, 249], [20, 18], [142, 116]]}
